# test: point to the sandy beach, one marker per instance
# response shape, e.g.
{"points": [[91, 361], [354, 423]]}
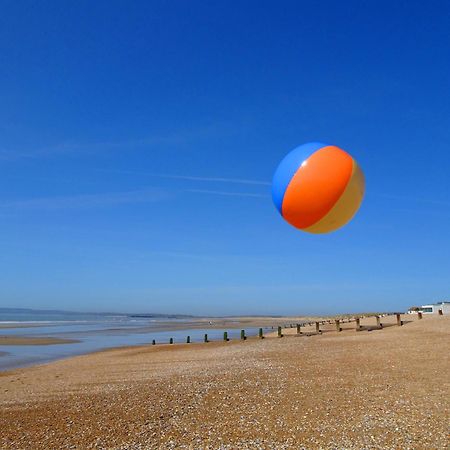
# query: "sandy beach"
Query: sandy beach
{"points": [[385, 388], [24, 340]]}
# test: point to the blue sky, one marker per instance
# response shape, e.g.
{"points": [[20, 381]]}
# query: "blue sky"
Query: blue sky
{"points": [[138, 141]]}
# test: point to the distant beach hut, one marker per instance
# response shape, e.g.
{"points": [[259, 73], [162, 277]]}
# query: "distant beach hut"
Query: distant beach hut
{"points": [[431, 309]]}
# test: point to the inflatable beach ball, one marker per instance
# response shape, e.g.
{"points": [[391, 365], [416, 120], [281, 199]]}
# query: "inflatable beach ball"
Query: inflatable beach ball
{"points": [[318, 188]]}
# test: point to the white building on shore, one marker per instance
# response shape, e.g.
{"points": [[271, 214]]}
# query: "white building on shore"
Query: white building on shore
{"points": [[431, 309]]}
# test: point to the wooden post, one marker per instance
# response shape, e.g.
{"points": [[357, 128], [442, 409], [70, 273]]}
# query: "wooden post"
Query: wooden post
{"points": [[399, 320], [378, 322], [279, 332], [243, 335], [358, 324], [206, 338], [298, 329], [260, 333], [338, 325], [419, 315], [318, 327], [440, 312], [188, 340], [225, 336], [171, 341], [153, 342]]}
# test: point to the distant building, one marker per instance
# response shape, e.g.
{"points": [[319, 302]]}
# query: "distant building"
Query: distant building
{"points": [[431, 309]]}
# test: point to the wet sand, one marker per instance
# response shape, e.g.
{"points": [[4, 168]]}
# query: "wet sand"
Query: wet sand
{"points": [[200, 323], [216, 323], [385, 388], [8, 325], [24, 340]]}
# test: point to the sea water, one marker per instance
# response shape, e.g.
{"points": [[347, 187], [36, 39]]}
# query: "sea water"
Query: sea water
{"points": [[93, 332]]}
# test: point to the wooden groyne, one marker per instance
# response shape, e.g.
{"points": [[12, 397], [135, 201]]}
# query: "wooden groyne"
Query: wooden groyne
{"points": [[319, 326]]}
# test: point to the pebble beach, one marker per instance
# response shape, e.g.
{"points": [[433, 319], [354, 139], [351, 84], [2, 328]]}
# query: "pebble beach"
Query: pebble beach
{"points": [[372, 389]]}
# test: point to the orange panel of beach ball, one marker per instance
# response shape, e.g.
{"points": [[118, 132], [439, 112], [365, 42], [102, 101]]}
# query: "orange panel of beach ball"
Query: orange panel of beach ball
{"points": [[318, 188]]}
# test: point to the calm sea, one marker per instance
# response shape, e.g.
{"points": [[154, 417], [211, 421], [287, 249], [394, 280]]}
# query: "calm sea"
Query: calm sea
{"points": [[94, 332]]}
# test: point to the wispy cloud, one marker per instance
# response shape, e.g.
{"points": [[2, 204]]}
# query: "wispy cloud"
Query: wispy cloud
{"points": [[207, 179], [204, 179], [69, 148], [214, 179], [87, 200], [108, 199], [226, 193], [78, 149]]}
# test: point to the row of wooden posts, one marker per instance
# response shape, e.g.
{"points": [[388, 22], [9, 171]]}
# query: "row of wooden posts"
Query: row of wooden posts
{"points": [[337, 322], [225, 337]]}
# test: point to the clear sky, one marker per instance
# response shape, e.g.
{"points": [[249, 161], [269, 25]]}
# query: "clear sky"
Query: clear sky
{"points": [[138, 141]]}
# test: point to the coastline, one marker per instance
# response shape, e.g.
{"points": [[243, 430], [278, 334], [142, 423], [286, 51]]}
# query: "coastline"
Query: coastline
{"points": [[24, 342], [376, 389], [213, 327], [100, 335]]}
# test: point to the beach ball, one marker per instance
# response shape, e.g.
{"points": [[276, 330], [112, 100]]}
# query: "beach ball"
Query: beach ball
{"points": [[318, 188]]}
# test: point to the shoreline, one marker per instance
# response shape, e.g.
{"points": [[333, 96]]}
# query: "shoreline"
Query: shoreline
{"points": [[308, 330], [249, 323]]}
